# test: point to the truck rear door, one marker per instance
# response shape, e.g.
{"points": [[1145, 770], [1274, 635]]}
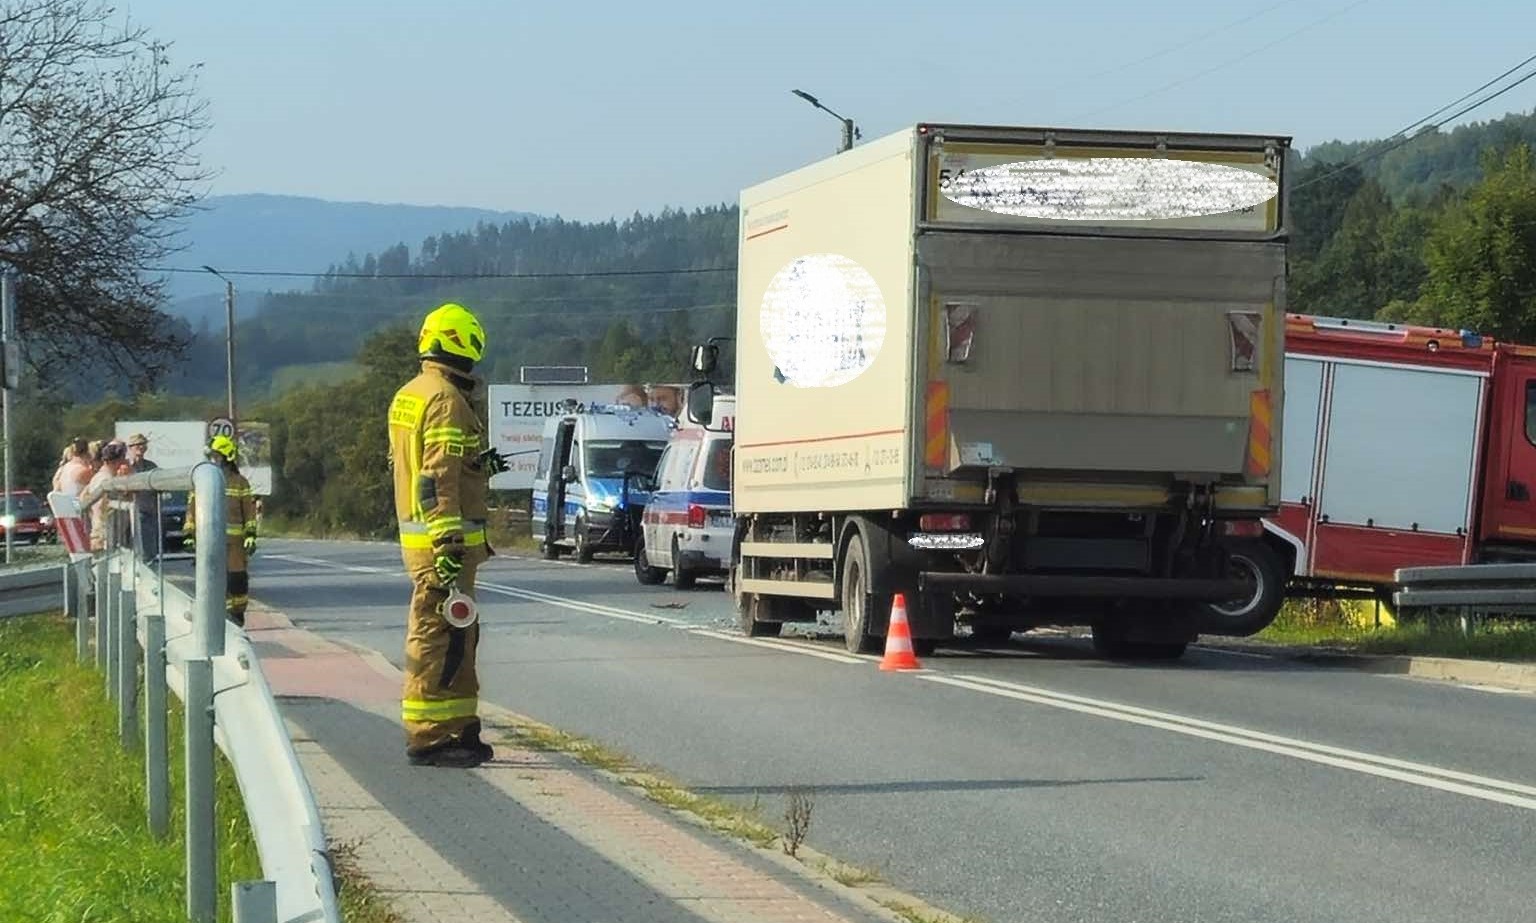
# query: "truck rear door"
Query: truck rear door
{"points": [[1142, 351]]}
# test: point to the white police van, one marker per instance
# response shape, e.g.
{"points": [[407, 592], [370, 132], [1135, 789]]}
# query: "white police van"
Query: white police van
{"points": [[687, 527], [597, 466]]}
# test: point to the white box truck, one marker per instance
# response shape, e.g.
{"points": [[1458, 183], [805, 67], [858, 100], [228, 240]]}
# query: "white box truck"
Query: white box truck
{"points": [[1022, 376]]}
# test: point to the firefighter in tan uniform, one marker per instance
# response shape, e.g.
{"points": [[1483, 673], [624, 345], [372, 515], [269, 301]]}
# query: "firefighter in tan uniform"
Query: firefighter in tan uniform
{"points": [[239, 527], [442, 467]]}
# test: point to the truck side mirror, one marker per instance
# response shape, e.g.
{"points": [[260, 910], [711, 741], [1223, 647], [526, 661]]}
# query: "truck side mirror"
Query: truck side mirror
{"points": [[705, 357], [568, 473], [701, 402]]}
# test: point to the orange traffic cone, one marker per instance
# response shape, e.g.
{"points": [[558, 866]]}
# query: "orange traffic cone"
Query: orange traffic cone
{"points": [[898, 639]]}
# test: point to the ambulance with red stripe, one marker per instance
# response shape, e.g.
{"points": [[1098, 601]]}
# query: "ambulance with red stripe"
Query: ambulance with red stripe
{"points": [[687, 528], [1019, 376]]}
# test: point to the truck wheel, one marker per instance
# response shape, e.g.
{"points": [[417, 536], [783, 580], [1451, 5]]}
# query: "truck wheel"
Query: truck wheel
{"points": [[644, 572], [583, 541], [1256, 561], [747, 608], [856, 636], [682, 578]]}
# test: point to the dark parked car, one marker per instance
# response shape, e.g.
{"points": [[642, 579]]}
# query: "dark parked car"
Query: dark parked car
{"points": [[33, 522]]}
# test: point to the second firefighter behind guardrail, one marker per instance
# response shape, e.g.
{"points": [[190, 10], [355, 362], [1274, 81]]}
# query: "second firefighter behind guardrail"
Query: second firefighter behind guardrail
{"points": [[239, 527]]}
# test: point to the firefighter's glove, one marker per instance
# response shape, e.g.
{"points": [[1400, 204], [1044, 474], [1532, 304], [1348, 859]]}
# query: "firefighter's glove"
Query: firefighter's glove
{"points": [[447, 564], [494, 462], [250, 544], [189, 543], [448, 558]]}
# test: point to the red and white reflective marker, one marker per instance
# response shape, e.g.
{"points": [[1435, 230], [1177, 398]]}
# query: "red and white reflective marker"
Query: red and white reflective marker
{"points": [[459, 610], [71, 525]]}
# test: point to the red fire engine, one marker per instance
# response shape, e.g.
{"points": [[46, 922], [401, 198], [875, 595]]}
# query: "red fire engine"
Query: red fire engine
{"points": [[1403, 446]]}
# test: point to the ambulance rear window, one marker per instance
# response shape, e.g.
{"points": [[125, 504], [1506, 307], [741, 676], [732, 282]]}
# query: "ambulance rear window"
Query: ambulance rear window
{"points": [[717, 465]]}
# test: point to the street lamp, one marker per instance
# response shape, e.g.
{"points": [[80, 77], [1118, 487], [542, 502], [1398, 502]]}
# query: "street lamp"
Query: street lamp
{"points": [[229, 341], [849, 131]]}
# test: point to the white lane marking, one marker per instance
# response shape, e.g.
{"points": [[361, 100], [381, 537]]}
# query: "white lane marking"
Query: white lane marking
{"points": [[589, 608], [1450, 780], [1496, 690], [318, 562], [786, 646]]}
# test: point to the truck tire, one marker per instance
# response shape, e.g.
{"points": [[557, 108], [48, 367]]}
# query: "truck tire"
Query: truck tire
{"points": [[747, 609], [1254, 560], [682, 577], [855, 599], [644, 572]]}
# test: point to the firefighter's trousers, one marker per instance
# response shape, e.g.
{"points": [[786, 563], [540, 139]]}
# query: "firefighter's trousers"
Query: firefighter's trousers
{"points": [[440, 702], [237, 580]]}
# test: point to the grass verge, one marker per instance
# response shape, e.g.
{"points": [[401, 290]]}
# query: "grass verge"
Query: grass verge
{"points": [[75, 845], [1353, 628]]}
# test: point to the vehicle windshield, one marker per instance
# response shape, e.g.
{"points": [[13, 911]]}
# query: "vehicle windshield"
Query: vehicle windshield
{"points": [[717, 465], [614, 458], [26, 505]]}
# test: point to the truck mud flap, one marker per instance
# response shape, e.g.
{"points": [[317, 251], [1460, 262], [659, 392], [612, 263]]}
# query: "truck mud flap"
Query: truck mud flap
{"points": [[1082, 586]]}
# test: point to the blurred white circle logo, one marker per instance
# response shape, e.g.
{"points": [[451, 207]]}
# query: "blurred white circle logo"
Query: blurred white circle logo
{"points": [[1110, 189], [823, 321]]}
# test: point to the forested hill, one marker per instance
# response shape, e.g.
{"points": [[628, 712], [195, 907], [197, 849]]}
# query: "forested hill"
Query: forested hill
{"points": [[1416, 170], [1395, 236]]}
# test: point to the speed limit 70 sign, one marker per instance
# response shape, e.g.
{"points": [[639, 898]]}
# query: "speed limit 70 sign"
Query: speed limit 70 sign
{"points": [[222, 426]]}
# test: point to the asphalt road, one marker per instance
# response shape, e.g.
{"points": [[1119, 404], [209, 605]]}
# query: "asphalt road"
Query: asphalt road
{"points": [[1031, 782]]}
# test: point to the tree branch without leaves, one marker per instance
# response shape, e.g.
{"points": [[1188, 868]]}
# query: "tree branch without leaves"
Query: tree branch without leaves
{"points": [[97, 139]]}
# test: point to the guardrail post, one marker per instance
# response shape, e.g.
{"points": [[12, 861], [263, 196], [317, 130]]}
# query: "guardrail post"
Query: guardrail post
{"points": [[114, 604], [71, 608], [127, 666], [208, 617], [254, 901], [99, 563], [157, 761], [202, 846], [79, 574]]}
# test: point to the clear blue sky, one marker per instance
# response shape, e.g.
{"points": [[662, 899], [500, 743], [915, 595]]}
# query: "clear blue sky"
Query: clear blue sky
{"points": [[599, 109]]}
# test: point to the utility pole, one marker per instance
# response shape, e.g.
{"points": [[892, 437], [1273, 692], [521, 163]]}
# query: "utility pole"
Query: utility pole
{"points": [[11, 357], [229, 345]]}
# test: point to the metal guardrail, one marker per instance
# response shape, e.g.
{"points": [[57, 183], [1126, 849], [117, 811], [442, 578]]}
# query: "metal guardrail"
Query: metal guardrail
{"points": [[32, 588], [190, 648], [1506, 588]]}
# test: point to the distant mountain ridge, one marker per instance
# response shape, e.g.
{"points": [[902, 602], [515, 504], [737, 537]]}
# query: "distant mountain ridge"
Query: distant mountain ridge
{"points": [[258, 231]]}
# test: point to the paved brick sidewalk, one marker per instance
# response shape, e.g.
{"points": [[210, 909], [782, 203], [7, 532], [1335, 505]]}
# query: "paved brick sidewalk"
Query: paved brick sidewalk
{"points": [[529, 837]]}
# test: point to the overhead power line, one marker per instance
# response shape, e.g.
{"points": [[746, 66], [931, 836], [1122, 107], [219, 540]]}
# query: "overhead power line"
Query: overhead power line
{"points": [[593, 274], [1411, 138], [1172, 48], [1231, 61], [1460, 99]]}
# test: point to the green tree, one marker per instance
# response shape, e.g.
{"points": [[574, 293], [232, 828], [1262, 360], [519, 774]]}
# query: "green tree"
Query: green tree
{"points": [[1374, 258], [1481, 256]]}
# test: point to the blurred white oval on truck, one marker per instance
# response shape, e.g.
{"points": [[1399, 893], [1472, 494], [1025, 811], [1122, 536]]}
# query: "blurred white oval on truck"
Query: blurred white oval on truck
{"points": [[823, 321], [1109, 189]]}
